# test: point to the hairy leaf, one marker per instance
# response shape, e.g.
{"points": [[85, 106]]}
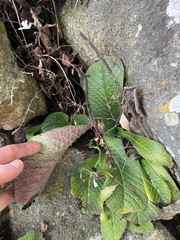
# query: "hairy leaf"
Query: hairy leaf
{"points": [[146, 227], [54, 120], [103, 95], [113, 225], [38, 167], [129, 196], [80, 119], [150, 150], [87, 183], [32, 131], [32, 235]]}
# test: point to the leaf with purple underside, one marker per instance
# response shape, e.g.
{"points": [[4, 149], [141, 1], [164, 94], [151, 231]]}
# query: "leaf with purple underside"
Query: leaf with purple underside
{"points": [[38, 167]]}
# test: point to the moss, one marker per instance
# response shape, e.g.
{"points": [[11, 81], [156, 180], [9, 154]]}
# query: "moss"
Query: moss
{"points": [[3, 29]]}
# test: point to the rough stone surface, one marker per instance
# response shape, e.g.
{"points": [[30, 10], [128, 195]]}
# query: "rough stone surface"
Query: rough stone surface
{"points": [[146, 35], [20, 96]]}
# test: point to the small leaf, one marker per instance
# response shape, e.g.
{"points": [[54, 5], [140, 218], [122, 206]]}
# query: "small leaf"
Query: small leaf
{"points": [[151, 212], [82, 185], [150, 150], [32, 131], [54, 120], [163, 173], [107, 192], [129, 196], [113, 225], [103, 95], [157, 182], [38, 167], [80, 119], [32, 235], [124, 122], [146, 227], [151, 192]]}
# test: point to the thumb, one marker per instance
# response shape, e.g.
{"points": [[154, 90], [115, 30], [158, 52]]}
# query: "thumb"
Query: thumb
{"points": [[9, 172]]}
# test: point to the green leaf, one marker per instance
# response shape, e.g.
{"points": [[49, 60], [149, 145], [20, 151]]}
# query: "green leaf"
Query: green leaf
{"points": [[86, 184], [163, 173], [80, 119], [146, 227], [151, 212], [129, 196], [150, 150], [157, 182], [32, 235], [151, 192], [113, 225], [32, 131], [54, 120], [107, 192], [103, 95]]}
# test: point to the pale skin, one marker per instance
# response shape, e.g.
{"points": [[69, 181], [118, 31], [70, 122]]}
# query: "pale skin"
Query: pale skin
{"points": [[11, 166]]}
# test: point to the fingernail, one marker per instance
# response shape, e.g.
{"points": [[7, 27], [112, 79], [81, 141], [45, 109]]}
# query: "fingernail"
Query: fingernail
{"points": [[16, 163]]}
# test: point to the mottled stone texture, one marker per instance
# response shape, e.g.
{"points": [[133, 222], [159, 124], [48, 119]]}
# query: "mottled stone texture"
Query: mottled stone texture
{"points": [[146, 35], [20, 95]]}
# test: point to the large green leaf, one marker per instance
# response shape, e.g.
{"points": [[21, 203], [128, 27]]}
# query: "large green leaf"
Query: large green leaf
{"points": [[113, 225], [151, 212], [103, 95], [152, 151], [87, 183], [32, 235], [129, 196]]}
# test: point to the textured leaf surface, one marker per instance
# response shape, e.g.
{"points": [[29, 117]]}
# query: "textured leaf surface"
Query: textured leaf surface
{"points": [[152, 151], [32, 235], [86, 185], [158, 183], [129, 196], [54, 120], [151, 212], [39, 167], [80, 119], [103, 95], [113, 225], [151, 191], [146, 227]]}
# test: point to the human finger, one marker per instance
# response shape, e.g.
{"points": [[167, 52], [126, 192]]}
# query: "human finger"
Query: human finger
{"points": [[6, 198], [9, 172], [14, 151]]}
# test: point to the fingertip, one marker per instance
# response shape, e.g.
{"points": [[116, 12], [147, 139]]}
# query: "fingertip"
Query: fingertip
{"points": [[35, 146], [17, 163]]}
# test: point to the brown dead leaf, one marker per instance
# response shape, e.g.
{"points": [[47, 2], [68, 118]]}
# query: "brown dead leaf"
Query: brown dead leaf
{"points": [[124, 122]]}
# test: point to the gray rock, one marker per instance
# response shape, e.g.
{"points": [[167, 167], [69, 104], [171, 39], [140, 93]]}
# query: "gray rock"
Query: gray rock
{"points": [[20, 95], [146, 35]]}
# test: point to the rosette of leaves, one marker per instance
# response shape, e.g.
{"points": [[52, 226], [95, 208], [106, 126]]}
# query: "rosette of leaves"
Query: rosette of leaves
{"points": [[123, 190]]}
